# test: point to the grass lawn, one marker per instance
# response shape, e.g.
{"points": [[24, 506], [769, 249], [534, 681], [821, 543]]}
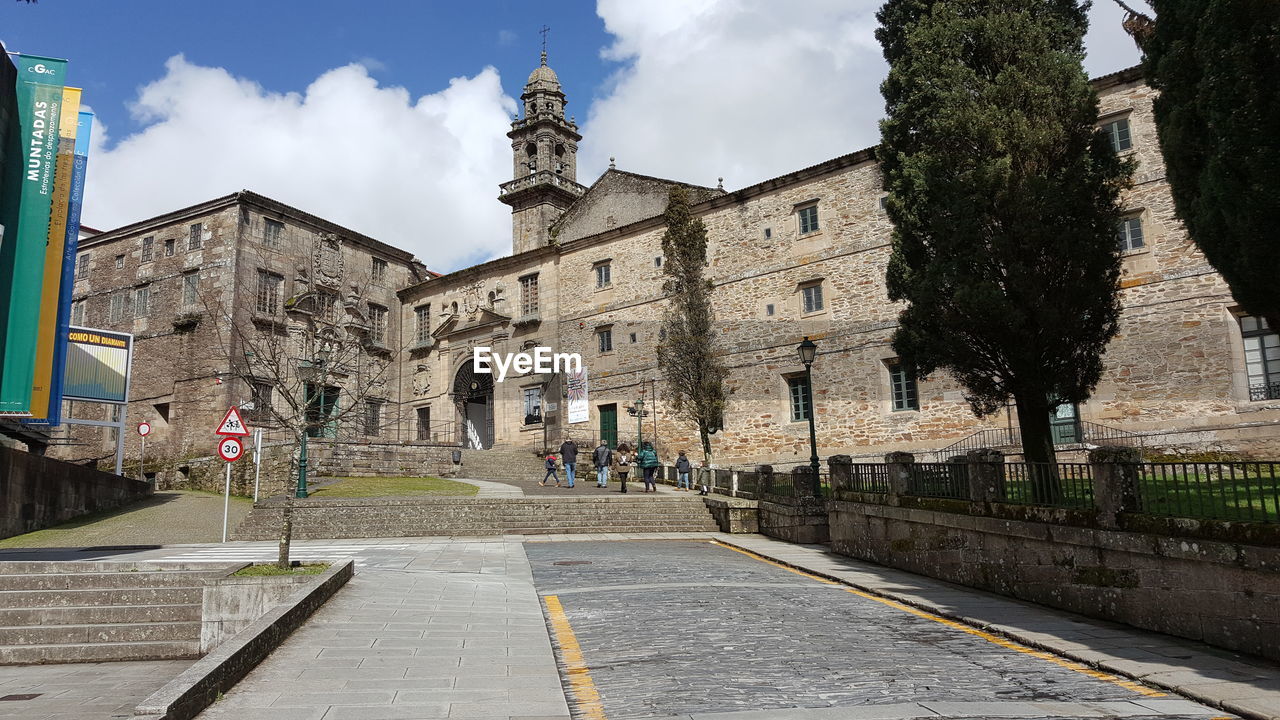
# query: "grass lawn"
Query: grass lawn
{"points": [[263, 570], [1217, 496], [362, 487]]}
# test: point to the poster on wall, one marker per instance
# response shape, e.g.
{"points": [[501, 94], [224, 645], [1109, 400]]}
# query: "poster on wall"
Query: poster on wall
{"points": [[579, 409], [98, 364]]}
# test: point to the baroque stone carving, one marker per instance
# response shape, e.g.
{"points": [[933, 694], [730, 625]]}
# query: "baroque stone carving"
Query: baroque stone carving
{"points": [[421, 381], [327, 261]]}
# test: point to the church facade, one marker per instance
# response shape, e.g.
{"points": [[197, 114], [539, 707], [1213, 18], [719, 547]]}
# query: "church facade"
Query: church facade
{"points": [[799, 255]]}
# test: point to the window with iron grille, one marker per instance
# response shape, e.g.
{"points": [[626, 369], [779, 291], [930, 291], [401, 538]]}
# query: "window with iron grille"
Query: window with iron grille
{"points": [[603, 275], [169, 247], [378, 324], [1129, 236], [118, 303], [262, 397], [902, 384], [82, 266], [532, 405], [604, 339], [424, 423], [373, 416], [142, 301], [195, 236], [378, 271], [77, 312], [1118, 134], [272, 231], [808, 219], [148, 249], [269, 286], [1261, 358], [798, 394], [529, 295], [191, 289], [422, 324], [119, 261], [812, 296]]}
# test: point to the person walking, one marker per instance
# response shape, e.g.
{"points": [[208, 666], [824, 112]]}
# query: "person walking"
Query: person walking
{"points": [[647, 459], [569, 456], [602, 457], [683, 468], [551, 471], [622, 464]]}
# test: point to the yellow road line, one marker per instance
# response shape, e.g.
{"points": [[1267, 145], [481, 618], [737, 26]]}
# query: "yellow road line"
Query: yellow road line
{"points": [[989, 637], [584, 689]]}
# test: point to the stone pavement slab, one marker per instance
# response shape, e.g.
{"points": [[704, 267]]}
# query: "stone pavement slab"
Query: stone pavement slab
{"points": [[82, 691], [1230, 681]]}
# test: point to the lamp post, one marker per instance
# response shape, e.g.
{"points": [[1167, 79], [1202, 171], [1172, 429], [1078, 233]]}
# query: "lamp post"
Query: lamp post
{"points": [[315, 369], [639, 422], [808, 350]]}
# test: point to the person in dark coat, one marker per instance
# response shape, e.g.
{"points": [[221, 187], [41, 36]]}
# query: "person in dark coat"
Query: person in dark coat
{"points": [[622, 464], [569, 456], [551, 471], [647, 459], [683, 468], [602, 457]]}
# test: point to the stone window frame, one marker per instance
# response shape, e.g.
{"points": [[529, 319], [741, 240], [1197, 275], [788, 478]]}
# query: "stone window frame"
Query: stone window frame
{"points": [[78, 310], [195, 236], [119, 262], [170, 247], [422, 324], [119, 306], [378, 269], [808, 218], [821, 297], [529, 295], [267, 299], [379, 324], [906, 398], [604, 339], [371, 419], [191, 289], [82, 265], [525, 391], [1124, 238], [272, 233], [142, 300], [422, 432], [1240, 386], [262, 394], [148, 249], [794, 399], [603, 270], [1114, 120]]}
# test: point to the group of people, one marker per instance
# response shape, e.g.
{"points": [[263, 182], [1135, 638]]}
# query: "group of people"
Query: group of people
{"points": [[618, 461]]}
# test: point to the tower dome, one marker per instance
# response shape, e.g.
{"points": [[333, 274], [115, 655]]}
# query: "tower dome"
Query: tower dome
{"points": [[543, 78]]}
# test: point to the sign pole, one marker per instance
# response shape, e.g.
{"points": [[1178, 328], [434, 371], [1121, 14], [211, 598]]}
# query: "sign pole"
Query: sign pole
{"points": [[226, 503], [142, 461], [257, 461]]}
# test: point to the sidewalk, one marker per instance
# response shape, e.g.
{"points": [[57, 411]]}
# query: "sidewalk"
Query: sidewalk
{"points": [[1232, 682]]}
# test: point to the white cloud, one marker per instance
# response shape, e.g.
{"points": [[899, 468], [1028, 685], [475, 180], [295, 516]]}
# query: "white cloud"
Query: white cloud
{"points": [[418, 174], [751, 89]]}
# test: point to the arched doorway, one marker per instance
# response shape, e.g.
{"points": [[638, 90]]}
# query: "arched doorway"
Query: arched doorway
{"points": [[473, 396]]}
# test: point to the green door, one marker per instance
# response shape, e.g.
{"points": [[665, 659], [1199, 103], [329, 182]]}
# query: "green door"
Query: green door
{"points": [[1064, 424], [609, 424]]}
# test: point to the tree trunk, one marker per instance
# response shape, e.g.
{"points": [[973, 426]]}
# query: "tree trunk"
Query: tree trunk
{"points": [[705, 471], [286, 535], [1037, 446]]}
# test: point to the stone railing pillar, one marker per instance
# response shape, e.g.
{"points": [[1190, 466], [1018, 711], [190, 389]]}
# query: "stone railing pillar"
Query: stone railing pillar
{"points": [[841, 469], [1115, 481], [899, 472], [986, 475], [803, 482], [765, 485]]}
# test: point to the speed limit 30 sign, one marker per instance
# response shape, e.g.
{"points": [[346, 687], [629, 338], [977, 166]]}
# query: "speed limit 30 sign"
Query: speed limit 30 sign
{"points": [[230, 449]]}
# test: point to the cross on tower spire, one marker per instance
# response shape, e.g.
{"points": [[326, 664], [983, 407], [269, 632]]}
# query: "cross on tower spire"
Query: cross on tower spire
{"points": [[545, 29]]}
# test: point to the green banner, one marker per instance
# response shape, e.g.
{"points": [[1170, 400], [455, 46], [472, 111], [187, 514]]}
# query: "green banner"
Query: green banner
{"points": [[24, 212]]}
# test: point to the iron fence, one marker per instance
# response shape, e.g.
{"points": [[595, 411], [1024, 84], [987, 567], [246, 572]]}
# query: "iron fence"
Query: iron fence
{"points": [[940, 480], [867, 478], [1246, 491], [1067, 485]]}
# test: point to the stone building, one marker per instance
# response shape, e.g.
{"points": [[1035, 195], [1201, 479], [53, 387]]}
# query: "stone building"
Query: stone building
{"points": [[802, 254]]}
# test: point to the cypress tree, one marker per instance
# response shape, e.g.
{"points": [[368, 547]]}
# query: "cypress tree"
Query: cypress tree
{"points": [[1004, 200], [1216, 64]]}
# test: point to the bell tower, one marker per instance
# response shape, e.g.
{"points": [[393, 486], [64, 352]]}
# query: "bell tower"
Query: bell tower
{"points": [[544, 149]]}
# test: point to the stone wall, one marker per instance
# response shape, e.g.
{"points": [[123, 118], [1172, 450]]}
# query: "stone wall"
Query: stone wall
{"points": [[38, 491], [1225, 594]]}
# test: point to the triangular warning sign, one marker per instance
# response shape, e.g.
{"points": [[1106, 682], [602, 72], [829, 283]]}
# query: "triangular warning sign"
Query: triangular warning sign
{"points": [[233, 424]]}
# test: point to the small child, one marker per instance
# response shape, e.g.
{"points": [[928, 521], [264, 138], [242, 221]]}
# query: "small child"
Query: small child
{"points": [[551, 471]]}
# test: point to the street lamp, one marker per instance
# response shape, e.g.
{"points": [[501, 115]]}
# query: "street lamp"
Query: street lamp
{"points": [[638, 411], [315, 369], [808, 350]]}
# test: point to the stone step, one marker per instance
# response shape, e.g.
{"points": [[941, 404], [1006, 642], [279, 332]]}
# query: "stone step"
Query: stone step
{"points": [[98, 566], [104, 580], [187, 612], [129, 632], [99, 652], [98, 597]]}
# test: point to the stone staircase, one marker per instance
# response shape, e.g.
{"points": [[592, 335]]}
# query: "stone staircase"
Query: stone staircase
{"points": [[63, 612], [418, 517], [506, 464]]}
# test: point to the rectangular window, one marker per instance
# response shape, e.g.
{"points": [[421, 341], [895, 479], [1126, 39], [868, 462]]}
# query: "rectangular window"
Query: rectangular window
{"points": [[118, 303], [633, 338], [262, 392], [378, 324], [119, 261], [532, 406], [603, 275], [169, 247], [77, 312], [195, 236], [379, 270], [424, 423], [1261, 358], [422, 324], [1118, 134], [798, 394], [1129, 236], [812, 296], [604, 339], [657, 262], [808, 219], [529, 295], [142, 301], [902, 384], [269, 285], [373, 416], [768, 233], [82, 266], [272, 231], [148, 249], [190, 289], [768, 309]]}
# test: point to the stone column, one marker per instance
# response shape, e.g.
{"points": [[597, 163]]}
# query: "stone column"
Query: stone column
{"points": [[803, 482], [986, 475], [899, 472], [1115, 482], [764, 484], [841, 469]]}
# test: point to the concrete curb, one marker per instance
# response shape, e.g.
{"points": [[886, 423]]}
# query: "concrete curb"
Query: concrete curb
{"points": [[199, 686], [1087, 657]]}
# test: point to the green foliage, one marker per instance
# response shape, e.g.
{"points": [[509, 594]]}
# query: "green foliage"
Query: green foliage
{"points": [[272, 570], [1004, 198], [1216, 64], [687, 352]]}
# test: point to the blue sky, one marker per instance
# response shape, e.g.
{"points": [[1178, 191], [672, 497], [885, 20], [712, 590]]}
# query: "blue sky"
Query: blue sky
{"points": [[392, 122]]}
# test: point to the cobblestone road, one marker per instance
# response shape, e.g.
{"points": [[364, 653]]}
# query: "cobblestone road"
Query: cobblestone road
{"points": [[680, 629]]}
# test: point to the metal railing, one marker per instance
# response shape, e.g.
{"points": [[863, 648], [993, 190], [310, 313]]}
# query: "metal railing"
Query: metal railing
{"points": [[1082, 432], [1067, 485], [867, 478], [1265, 391], [1246, 491], [939, 480]]}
